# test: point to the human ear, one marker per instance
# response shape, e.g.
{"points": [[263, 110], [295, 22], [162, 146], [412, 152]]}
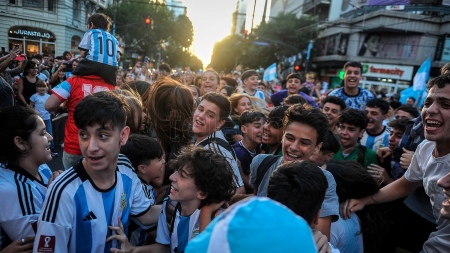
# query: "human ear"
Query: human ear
{"points": [[20, 144], [220, 124], [124, 135]]}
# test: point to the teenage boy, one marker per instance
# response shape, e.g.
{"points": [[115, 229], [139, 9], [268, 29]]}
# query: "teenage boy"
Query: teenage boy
{"points": [[84, 200], [406, 112], [332, 108], [300, 186], [353, 96], [293, 86], [376, 134], [303, 133], [251, 124], [330, 146], [201, 178], [430, 163], [146, 156], [99, 50], [250, 84], [273, 131], [351, 126]]}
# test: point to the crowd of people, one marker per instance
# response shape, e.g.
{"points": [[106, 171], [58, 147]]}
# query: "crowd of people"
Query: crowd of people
{"points": [[155, 161]]}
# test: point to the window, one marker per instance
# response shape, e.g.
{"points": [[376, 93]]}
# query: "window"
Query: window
{"points": [[51, 5], [76, 10], [12, 2], [33, 3]]}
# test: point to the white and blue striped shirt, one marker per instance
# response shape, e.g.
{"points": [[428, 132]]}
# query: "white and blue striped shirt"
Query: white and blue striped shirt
{"points": [[101, 46]]}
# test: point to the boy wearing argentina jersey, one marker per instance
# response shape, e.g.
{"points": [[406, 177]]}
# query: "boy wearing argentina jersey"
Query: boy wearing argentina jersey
{"points": [[97, 191], [23, 175], [376, 134], [99, 50], [202, 181]]}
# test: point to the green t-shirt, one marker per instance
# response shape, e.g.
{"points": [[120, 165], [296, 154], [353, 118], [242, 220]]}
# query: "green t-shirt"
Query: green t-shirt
{"points": [[369, 157]]}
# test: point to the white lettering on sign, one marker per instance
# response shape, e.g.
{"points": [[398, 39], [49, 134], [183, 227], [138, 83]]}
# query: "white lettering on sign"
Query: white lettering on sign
{"points": [[32, 33]]}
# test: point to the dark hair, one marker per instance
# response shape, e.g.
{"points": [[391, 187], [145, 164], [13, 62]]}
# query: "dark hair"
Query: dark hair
{"points": [[248, 73], [170, 108], [355, 64], [66, 53], [331, 143], [412, 98], [249, 117], [41, 83], [294, 99], [100, 21], [411, 110], [382, 104], [229, 90], [165, 67], [300, 186], [354, 117], [445, 69], [276, 116], [141, 87], [335, 100], [220, 101], [399, 124], [440, 81], [293, 75], [211, 173], [135, 105], [230, 82], [310, 116], [395, 104], [102, 108], [141, 149], [28, 66], [363, 48], [16, 121]]}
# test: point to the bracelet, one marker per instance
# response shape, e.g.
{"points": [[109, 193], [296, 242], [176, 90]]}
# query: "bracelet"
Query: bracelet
{"points": [[375, 200]]}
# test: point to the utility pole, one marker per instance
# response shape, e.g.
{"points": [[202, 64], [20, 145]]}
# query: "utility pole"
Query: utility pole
{"points": [[114, 19]]}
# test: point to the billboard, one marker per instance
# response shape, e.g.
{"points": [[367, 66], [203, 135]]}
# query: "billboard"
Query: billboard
{"points": [[389, 46]]}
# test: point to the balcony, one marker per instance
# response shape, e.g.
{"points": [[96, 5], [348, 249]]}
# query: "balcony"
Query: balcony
{"points": [[310, 5]]}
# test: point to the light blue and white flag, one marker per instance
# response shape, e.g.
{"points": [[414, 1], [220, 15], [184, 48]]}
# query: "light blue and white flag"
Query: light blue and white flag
{"points": [[419, 88], [270, 73]]}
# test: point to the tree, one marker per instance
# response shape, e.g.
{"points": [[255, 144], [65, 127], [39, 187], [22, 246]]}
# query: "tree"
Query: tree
{"points": [[285, 35], [167, 35]]}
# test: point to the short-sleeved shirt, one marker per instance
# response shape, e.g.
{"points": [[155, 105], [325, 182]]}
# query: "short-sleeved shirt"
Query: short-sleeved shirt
{"points": [[185, 228], [101, 46], [369, 156], [356, 102], [39, 105], [227, 154], [76, 213], [22, 199], [428, 169], [375, 141], [346, 235], [330, 205], [74, 90]]}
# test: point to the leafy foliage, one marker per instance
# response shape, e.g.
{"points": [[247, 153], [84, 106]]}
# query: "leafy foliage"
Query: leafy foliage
{"points": [[286, 35]]}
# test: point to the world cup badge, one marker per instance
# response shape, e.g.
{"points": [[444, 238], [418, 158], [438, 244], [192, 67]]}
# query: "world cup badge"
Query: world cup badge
{"points": [[123, 201]]}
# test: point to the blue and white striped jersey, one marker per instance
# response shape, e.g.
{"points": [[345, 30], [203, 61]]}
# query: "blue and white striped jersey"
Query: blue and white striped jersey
{"points": [[101, 46], [22, 199], [375, 141], [76, 213]]}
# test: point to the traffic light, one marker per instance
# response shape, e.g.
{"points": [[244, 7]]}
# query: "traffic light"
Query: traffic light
{"points": [[297, 66], [148, 21]]}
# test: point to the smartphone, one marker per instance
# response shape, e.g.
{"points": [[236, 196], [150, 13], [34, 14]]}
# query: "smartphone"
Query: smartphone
{"points": [[145, 60], [16, 47]]}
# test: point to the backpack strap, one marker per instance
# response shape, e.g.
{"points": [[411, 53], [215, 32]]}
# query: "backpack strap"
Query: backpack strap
{"points": [[171, 210], [220, 142], [361, 154], [263, 167]]}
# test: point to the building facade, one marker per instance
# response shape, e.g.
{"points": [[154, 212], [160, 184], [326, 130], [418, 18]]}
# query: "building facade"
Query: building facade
{"points": [[45, 26]]}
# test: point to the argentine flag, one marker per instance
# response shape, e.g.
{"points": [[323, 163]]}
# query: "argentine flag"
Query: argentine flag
{"points": [[270, 73], [419, 88]]}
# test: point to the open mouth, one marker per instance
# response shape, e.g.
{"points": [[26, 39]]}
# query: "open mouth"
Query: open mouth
{"points": [[292, 156], [433, 124]]}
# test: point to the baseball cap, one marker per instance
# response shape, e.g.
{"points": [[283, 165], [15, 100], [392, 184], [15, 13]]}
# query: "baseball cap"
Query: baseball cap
{"points": [[256, 224]]}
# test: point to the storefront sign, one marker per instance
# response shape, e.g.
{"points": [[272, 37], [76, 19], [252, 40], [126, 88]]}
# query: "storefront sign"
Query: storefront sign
{"points": [[388, 71], [31, 32]]}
